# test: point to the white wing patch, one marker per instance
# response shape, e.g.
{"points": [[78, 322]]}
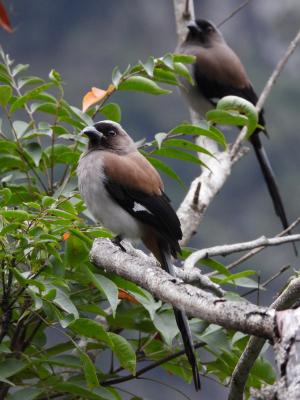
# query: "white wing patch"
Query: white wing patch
{"points": [[139, 207]]}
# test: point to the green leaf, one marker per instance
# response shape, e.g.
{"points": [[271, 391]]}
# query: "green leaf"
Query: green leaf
{"points": [[188, 129], [5, 94], [63, 301], [5, 195], [241, 279], [185, 144], [15, 215], [29, 80], [149, 66], [226, 118], [166, 169], [10, 367], [89, 370], [264, 370], [182, 70], [19, 68], [91, 329], [184, 58], [160, 137], [48, 108], [162, 75], [165, 323], [216, 266], [76, 251], [181, 155], [55, 76], [35, 152], [7, 146], [243, 106], [146, 299], [62, 154], [62, 214], [109, 288], [116, 77], [141, 84], [124, 352], [111, 111], [21, 101], [168, 61], [20, 128], [29, 393], [77, 390]]}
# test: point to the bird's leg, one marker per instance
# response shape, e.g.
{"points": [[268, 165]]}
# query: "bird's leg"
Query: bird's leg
{"points": [[117, 241]]}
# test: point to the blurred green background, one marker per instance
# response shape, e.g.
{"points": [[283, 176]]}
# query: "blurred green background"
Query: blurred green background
{"points": [[85, 40]]}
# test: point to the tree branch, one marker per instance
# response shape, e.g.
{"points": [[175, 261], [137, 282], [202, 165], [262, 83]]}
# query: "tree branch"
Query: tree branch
{"points": [[251, 253], [149, 367], [236, 248], [240, 374], [240, 316]]}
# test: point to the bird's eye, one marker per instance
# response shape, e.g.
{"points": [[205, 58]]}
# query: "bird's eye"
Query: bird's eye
{"points": [[111, 133]]}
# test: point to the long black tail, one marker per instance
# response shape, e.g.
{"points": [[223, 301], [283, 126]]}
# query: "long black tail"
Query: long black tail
{"points": [[182, 323], [270, 179]]}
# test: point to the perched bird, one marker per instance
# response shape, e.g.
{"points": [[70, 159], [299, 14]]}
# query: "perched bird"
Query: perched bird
{"points": [[125, 193], [218, 72]]}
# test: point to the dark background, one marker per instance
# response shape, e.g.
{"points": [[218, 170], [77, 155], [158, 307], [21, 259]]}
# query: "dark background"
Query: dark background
{"points": [[84, 40]]}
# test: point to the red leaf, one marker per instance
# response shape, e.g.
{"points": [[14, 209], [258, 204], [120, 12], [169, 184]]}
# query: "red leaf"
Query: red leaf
{"points": [[66, 235], [123, 295], [4, 20], [92, 97]]}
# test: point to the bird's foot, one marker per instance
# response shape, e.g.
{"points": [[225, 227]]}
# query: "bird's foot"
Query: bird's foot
{"points": [[117, 241]]}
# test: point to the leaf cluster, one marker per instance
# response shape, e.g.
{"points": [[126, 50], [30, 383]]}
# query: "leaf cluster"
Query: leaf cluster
{"points": [[48, 287]]}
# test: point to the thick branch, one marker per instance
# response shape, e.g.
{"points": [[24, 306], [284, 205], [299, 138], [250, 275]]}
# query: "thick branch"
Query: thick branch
{"points": [[287, 354], [241, 316], [240, 374]]}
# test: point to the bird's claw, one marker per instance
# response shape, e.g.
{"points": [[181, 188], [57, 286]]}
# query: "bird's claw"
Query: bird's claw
{"points": [[117, 241]]}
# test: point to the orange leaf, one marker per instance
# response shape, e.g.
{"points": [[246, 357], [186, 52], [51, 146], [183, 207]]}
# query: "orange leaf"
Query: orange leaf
{"points": [[92, 97], [123, 295], [4, 20], [66, 235]]}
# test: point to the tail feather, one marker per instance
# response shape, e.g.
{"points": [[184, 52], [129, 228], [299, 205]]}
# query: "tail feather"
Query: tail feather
{"points": [[270, 180], [182, 323]]}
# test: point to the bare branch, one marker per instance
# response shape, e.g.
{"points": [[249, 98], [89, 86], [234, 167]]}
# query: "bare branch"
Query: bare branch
{"points": [[236, 248], [267, 89], [268, 281], [233, 13], [259, 249], [287, 354], [240, 374], [133, 266]]}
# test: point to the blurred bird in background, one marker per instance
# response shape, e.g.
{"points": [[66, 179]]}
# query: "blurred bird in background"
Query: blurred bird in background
{"points": [[218, 72]]}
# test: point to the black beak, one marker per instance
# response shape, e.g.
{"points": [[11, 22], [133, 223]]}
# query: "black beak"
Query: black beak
{"points": [[193, 27], [91, 131]]}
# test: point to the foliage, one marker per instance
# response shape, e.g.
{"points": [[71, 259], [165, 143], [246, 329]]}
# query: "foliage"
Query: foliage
{"points": [[60, 316]]}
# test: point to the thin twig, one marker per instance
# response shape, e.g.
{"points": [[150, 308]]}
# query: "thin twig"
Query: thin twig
{"points": [[236, 248], [232, 14], [168, 386], [259, 249], [149, 367], [268, 281], [267, 89]]}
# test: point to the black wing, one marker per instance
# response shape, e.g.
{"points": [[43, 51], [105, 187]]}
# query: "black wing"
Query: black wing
{"points": [[214, 90], [152, 210]]}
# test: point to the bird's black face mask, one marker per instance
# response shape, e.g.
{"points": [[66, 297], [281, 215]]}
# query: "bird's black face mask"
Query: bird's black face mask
{"points": [[201, 31]]}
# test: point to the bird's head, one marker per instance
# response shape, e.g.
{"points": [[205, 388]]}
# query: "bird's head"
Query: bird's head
{"points": [[203, 32], [109, 135]]}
